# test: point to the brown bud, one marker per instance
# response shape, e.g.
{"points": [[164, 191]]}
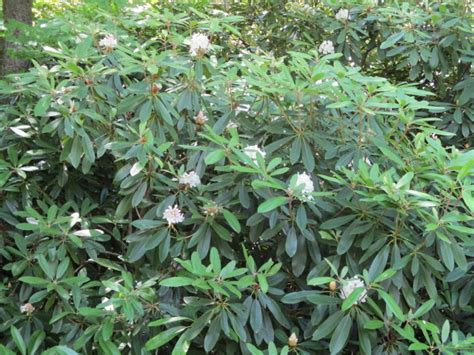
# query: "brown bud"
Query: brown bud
{"points": [[200, 118], [89, 82], [155, 89]]}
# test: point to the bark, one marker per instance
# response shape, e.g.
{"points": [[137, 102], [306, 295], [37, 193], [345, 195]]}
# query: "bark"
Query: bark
{"points": [[21, 11]]}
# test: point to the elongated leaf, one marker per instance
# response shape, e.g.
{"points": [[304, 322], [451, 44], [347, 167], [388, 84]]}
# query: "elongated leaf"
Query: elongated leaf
{"points": [[271, 204], [164, 337]]}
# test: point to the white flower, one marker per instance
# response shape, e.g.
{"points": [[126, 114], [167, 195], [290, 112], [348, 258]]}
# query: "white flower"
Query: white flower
{"points": [[109, 307], [173, 215], [327, 47], [200, 118], [252, 150], [342, 15], [108, 42], [305, 180], [27, 308], [350, 285], [192, 179], [198, 44]]}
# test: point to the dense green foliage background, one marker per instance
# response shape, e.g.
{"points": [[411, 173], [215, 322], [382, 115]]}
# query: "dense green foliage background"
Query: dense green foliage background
{"points": [[95, 140]]}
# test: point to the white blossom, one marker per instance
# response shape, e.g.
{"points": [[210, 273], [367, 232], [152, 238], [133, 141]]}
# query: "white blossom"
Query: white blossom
{"points": [[108, 42], [327, 47], [252, 150], [192, 179], [350, 285], [173, 215], [27, 308], [109, 307], [198, 44], [342, 15]]}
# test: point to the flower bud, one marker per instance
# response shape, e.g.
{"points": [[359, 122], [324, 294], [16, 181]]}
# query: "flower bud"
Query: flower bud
{"points": [[293, 340], [155, 89], [332, 285], [200, 118]]}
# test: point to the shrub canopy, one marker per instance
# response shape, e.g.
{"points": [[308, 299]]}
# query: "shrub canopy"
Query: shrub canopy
{"points": [[238, 191]]}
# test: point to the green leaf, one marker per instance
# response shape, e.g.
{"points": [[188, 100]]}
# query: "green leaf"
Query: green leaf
{"points": [[145, 111], [352, 298], [418, 346], [42, 105], [18, 339], [320, 281], [323, 299], [139, 194], [32, 280], [254, 350], [390, 41], [445, 331], [168, 320], [424, 308], [232, 220], [76, 152], [215, 260], [392, 305], [164, 337], [271, 204], [328, 325], [291, 243], [385, 275], [46, 267], [177, 282], [35, 342], [340, 336], [337, 222], [88, 148], [212, 335], [374, 324], [163, 111], [214, 156]]}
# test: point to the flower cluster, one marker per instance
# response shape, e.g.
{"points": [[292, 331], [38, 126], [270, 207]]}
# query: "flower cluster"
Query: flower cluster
{"points": [[327, 47], [108, 42], [252, 150], [350, 285], [173, 215], [198, 44], [27, 308], [342, 15], [191, 179]]}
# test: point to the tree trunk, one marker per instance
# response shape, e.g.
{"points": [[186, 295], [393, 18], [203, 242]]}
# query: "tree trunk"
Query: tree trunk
{"points": [[21, 11]]}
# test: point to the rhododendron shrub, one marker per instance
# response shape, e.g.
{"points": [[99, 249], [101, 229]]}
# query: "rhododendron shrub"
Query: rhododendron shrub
{"points": [[165, 191]]}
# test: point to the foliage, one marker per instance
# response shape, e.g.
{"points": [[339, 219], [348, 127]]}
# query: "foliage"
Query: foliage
{"points": [[95, 142], [423, 42]]}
